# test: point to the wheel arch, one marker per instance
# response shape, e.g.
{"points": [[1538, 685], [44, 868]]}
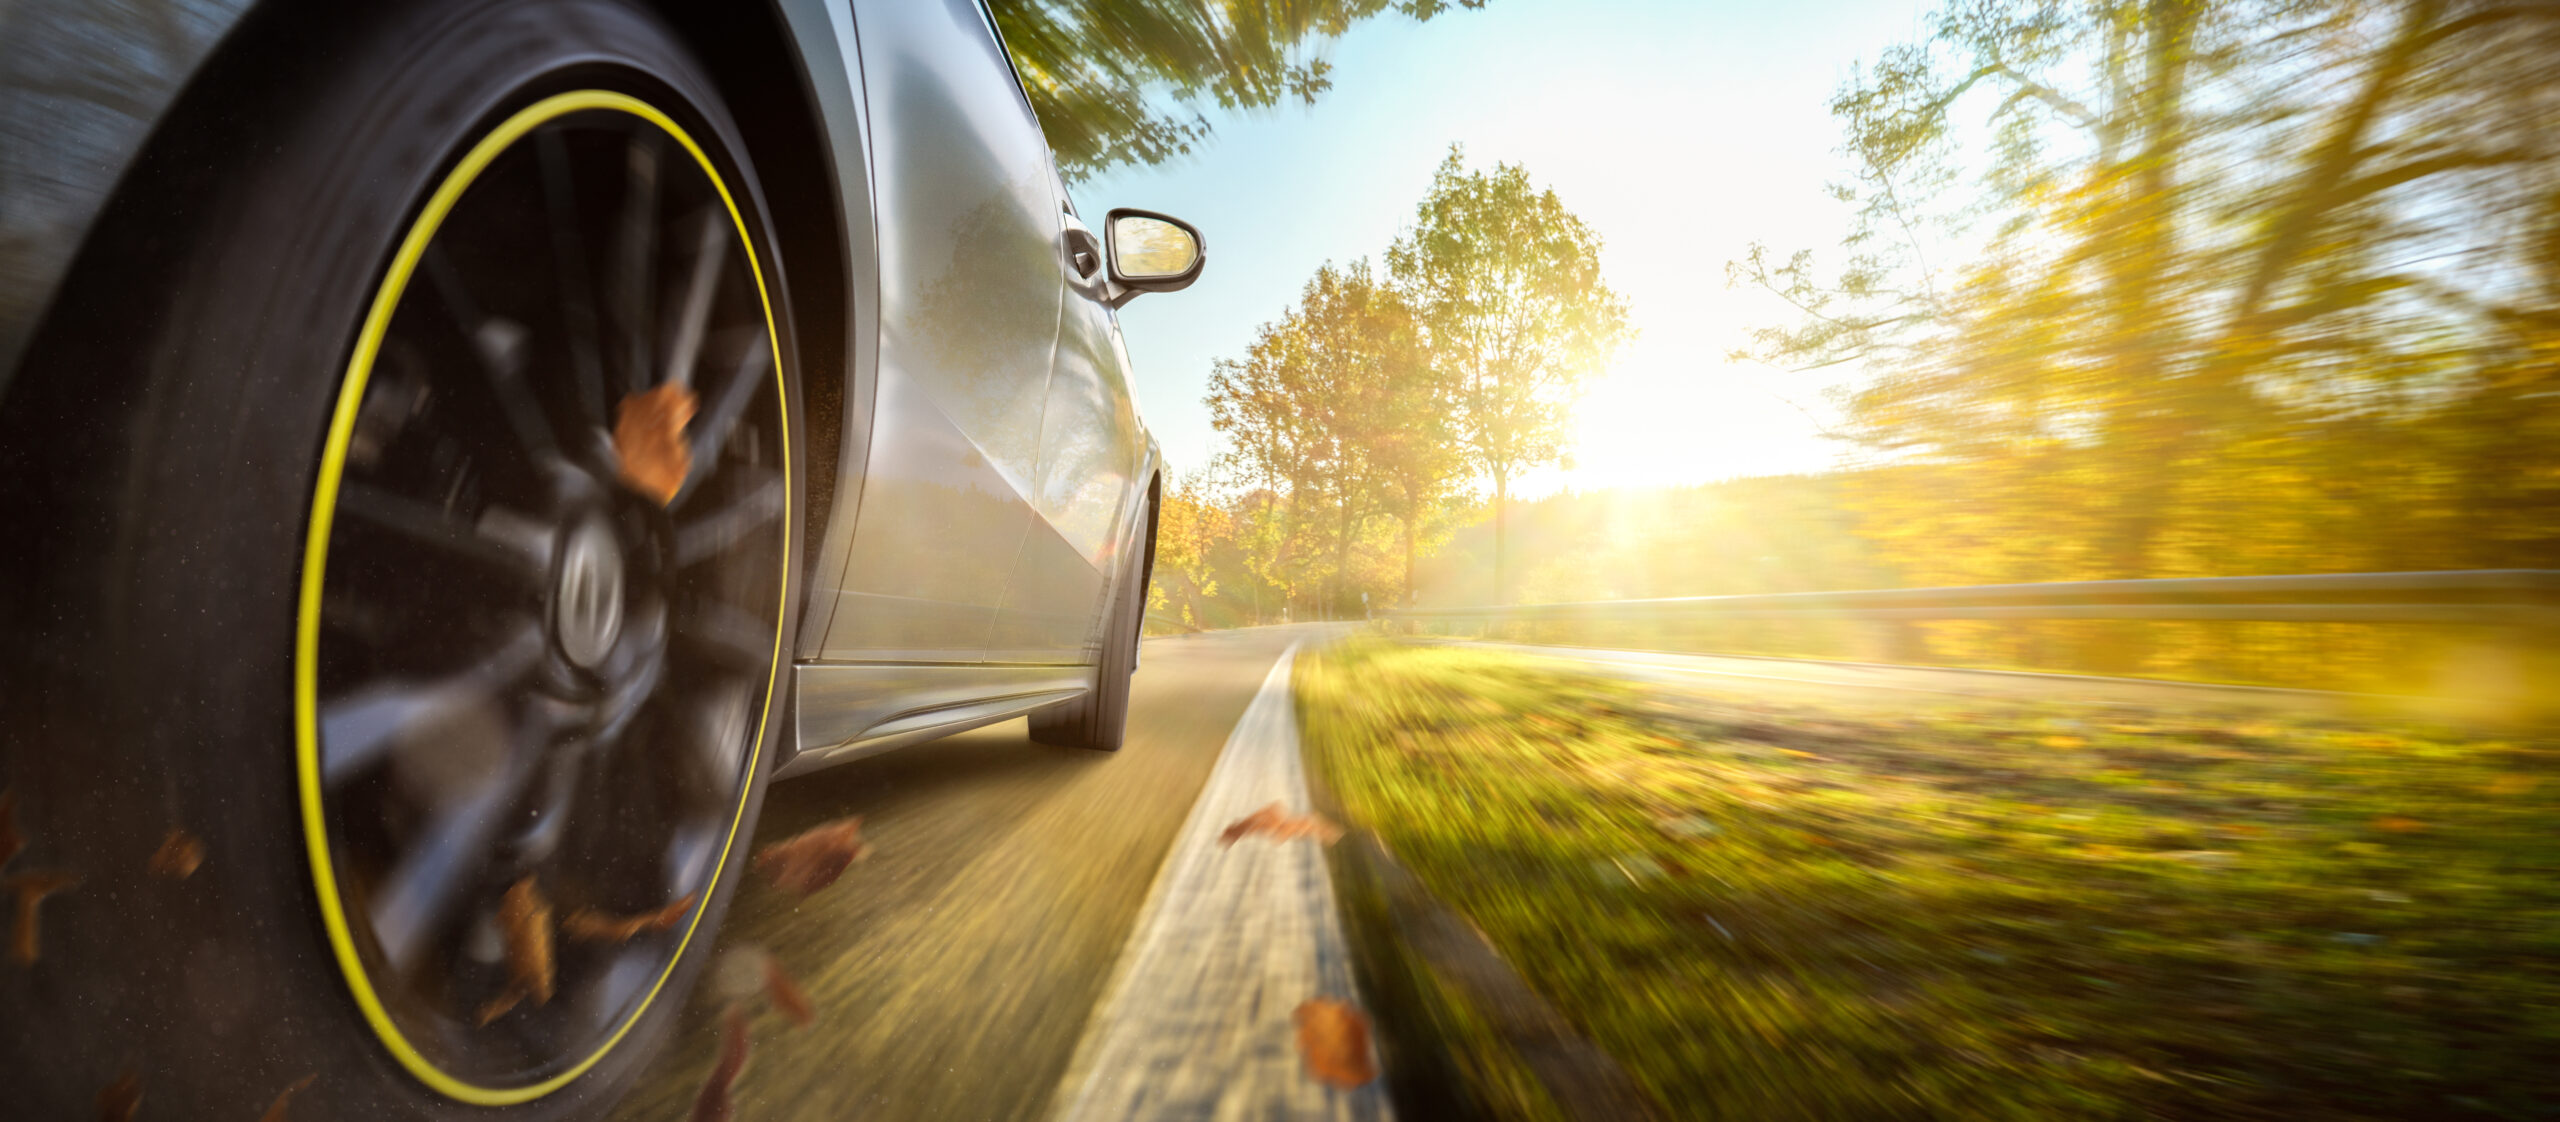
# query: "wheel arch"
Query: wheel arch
{"points": [[237, 60], [752, 53], [1155, 518]]}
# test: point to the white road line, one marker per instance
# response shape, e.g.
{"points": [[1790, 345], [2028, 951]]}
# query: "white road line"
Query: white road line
{"points": [[1196, 1021]]}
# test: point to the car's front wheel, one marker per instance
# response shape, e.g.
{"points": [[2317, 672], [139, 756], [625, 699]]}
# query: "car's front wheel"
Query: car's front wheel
{"points": [[435, 587]]}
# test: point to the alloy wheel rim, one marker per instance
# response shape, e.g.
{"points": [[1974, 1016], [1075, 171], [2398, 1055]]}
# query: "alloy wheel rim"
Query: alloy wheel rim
{"points": [[530, 692]]}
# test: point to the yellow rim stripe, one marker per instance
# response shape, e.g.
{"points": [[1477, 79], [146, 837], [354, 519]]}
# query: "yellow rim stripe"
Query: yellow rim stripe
{"points": [[315, 560]]}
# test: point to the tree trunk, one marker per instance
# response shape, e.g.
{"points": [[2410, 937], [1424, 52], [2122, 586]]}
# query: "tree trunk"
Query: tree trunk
{"points": [[1408, 559], [1501, 537], [1342, 555]]}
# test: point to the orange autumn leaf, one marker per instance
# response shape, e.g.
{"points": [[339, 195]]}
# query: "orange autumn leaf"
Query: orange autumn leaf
{"points": [[2065, 742], [786, 995], [589, 925], [524, 924], [813, 859], [2398, 825], [30, 890], [120, 1099], [284, 1099], [648, 437], [1278, 824], [712, 1103], [179, 855], [1333, 1039]]}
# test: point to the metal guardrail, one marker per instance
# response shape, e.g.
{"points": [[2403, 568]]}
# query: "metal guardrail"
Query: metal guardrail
{"points": [[2503, 597]]}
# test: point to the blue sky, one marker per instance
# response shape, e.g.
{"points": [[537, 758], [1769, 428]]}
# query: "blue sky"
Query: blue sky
{"points": [[1680, 129]]}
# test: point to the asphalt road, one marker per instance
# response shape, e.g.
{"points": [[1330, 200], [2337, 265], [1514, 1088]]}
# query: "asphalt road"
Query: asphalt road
{"points": [[954, 971]]}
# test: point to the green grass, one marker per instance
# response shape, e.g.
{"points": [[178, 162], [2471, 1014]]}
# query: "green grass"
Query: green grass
{"points": [[1818, 908]]}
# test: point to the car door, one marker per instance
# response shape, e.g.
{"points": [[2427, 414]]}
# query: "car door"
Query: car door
{"points": [[1090, 445], [969, 301]]}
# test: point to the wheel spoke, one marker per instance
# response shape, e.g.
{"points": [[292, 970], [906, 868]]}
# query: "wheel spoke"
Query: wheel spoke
{"points": [[361, 730], [712, 534], [577, 290], [497, 542], [711, 427], [500, 344], [712, 250], [444, 864], [636, 248]]}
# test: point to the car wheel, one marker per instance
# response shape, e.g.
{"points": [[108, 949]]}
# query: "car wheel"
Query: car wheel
{"points": [[1100, 719], [435, 592]]}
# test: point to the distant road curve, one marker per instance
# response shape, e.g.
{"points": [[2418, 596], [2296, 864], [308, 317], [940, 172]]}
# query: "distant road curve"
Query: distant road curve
{"points": [[1817, 676]]}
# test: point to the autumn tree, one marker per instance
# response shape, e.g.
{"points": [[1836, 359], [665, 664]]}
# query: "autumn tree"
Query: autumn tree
{"points": [[1189, 528], [1507, 284], [1336, 408], [1128, 81], [2211, 294]]}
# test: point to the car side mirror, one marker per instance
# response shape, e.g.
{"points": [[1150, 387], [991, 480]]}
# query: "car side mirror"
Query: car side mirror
{"points": [[1150, 252]]}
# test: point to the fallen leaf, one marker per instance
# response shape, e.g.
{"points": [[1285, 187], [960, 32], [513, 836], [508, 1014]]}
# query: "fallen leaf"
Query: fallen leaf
{"points": [[2398, 825], [1280, 825], [524, 922], [592, 926], [1333, 1039], [276, 1110], [121, 1099], [786, 995], [1798, 753], [10, 842], [648, 437], [712, 1103], [1252, 823], [30, 890], [813, 859], [2064, 742], [179, 855]]}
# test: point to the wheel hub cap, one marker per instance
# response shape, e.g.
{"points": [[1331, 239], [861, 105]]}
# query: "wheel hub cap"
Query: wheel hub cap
{"points": [[586, 613]]}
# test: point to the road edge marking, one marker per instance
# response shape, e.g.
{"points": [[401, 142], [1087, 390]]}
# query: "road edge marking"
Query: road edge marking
{"points": [[1195, 1017]]}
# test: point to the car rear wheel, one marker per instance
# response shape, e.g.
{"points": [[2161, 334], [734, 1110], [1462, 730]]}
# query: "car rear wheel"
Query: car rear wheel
{"points": [[1100, 719], [438, 587]]}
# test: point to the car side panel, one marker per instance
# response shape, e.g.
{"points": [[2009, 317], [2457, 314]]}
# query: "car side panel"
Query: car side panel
{"points": [[969, 302], [81, 85], [1090, 446]]}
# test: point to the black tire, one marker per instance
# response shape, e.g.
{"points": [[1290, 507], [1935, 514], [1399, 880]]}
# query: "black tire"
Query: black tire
{"points": [[1100, 719], [164, 441]]}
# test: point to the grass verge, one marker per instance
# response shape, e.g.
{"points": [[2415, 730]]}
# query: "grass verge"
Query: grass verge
{"points": [[1821, 906]]}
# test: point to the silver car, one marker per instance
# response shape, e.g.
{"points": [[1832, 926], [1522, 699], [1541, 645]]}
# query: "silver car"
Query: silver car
{"points": [[454, 454]]}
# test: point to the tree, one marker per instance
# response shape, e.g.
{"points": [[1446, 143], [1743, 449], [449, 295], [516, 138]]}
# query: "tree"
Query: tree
{"points": [[1507, 284], [1124, 81], [2205, 269], [1189, 529], [1324, 406]]}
